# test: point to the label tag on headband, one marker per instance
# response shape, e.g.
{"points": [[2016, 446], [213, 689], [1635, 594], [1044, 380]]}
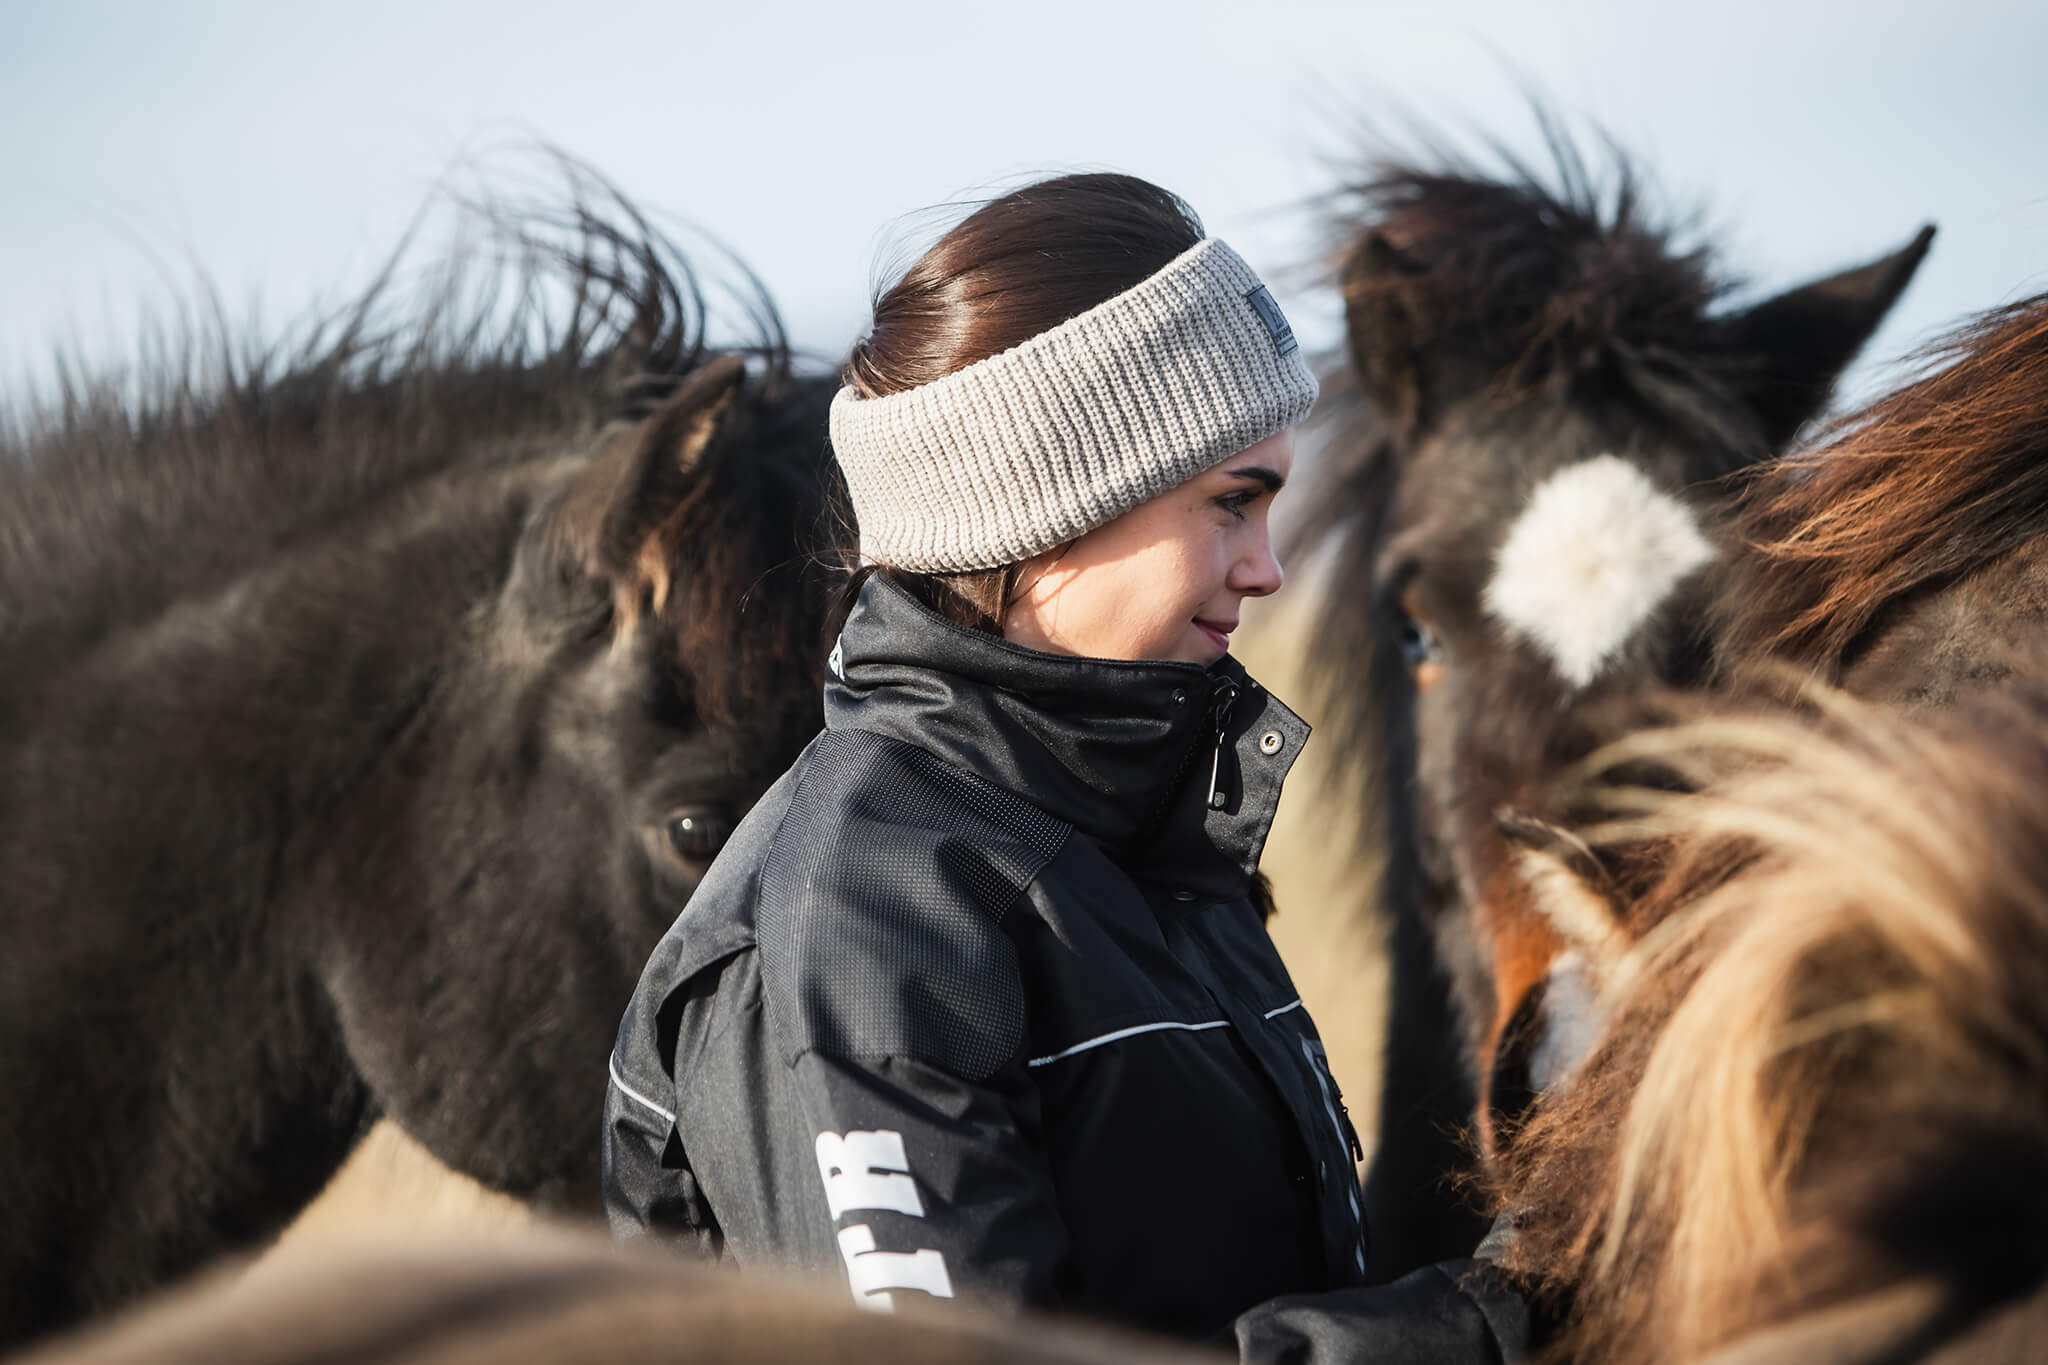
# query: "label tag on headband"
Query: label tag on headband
{"points": [[1261, 300]]}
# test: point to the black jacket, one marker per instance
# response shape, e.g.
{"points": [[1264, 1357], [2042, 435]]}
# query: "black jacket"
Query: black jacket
{"points": [[975, 1003]]}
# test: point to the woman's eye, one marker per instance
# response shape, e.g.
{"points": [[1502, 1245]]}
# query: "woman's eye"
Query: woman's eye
{"points": [[697, 834], [1235, 503]]}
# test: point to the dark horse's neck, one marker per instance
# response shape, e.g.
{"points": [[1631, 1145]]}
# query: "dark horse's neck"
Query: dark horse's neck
{"points": [[174, 798]]}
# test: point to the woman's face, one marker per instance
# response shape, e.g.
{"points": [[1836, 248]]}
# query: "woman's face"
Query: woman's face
{"points": [[1166, 579]]}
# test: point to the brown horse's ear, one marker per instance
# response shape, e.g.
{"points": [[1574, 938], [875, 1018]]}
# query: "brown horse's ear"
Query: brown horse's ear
{"points": [[1380, 327], [1570, 888], [1785, 354]]}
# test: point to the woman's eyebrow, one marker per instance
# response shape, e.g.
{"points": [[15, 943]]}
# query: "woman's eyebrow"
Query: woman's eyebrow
{"points": [[1272, 480]]}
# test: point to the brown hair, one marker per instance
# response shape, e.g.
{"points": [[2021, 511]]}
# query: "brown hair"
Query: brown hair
{"points": [[1925, 486], [1019, 265]]}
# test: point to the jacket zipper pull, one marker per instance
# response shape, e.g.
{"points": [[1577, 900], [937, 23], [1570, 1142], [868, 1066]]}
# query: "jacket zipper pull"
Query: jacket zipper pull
{"points": [[1350, 1128], [1226, 695]]}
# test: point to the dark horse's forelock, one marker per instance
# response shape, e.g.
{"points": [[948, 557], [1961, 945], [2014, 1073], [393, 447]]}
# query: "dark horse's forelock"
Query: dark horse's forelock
{"points": [[1538, 269], [121, 495], [1922, 488]]}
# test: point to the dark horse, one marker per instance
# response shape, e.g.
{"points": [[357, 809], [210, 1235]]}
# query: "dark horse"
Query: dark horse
{"points": [[367, 716], [1543, 400]]}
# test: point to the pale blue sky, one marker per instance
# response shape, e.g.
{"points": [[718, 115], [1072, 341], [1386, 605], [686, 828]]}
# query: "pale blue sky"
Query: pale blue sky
{"points": [[284, 147]]}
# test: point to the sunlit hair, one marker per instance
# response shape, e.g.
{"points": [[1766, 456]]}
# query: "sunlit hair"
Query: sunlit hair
{"points": [[1825, 1070]]}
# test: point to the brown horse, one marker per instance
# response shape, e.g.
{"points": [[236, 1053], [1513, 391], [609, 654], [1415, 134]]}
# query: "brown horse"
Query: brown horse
{"points": [[1542, 396], [1815, 1126], [368, 713], [1908, 557], [560, 1302]]}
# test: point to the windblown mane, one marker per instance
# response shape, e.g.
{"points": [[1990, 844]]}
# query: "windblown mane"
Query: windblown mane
{"points": [[1926, 485], [125, 492], [1824, 1076]]}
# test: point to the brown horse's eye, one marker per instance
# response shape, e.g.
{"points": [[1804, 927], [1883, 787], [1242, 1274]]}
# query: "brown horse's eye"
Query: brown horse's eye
{"points": [[698, 833], [1423, 652], [1418, 643]]}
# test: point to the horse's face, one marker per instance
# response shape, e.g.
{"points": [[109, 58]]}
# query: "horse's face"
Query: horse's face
{"points": [[1543, 562], [643, 671], [1542, 552]]}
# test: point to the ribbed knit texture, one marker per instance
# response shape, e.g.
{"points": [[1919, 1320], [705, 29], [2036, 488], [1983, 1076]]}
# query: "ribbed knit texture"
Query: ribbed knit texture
{"points": [[1032, 447]]}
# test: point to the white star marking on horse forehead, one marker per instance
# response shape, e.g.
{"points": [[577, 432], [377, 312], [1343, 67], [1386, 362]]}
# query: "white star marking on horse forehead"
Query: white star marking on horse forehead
{"points": [[1597, 549]]}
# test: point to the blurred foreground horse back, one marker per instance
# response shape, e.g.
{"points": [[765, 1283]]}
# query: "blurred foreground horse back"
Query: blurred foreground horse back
{"points": [[561, 1301]]}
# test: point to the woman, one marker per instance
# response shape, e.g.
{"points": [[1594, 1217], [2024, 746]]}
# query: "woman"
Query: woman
{"points": [[978, 1001]]}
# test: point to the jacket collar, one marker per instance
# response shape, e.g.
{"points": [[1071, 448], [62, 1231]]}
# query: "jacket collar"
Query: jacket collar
{"points": [[1123, 751]]}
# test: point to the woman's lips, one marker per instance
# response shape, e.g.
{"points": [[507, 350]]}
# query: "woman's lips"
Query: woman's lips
{"points": [[1221, 637]]}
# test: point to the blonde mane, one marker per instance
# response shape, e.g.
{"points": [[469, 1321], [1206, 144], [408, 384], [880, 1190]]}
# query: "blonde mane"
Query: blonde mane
{"points": [[1825, 1073]]}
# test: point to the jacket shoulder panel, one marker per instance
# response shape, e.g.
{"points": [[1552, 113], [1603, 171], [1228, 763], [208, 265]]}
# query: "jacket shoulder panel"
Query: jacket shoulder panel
{"points": [[880, 920]]}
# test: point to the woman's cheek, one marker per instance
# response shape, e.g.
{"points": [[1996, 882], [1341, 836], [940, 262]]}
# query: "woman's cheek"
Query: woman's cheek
{"points": [[1144, 632]]}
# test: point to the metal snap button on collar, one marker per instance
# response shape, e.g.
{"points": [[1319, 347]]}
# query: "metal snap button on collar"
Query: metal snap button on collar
{"points": [[1270, 742]]}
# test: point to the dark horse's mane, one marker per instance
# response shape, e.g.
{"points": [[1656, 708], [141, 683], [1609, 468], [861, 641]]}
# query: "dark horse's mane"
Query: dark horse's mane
{"points": [[1528, 271], [121, 494], [1924, 487]]}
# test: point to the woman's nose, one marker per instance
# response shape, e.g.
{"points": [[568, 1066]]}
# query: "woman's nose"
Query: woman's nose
{"points": [[1257, 572]]}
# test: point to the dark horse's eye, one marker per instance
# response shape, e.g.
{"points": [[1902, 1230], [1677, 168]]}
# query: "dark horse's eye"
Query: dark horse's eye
{"points": [[698, 833], [1418, 643]]}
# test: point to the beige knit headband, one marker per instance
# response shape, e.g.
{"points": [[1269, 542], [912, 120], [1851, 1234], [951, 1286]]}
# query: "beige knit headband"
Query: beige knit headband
{"points": [[1031, 447]]}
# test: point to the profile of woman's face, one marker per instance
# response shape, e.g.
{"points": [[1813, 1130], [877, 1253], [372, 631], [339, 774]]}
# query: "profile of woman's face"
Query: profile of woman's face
{"points": [[1165, 580]]}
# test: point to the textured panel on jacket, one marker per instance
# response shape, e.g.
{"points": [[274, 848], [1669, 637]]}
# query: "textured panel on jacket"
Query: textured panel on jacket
{"points": [[880, 920]]}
